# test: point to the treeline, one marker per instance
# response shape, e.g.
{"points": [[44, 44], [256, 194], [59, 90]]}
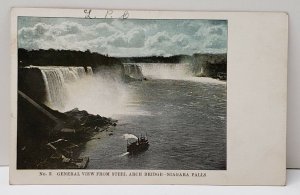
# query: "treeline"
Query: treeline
{"points": [[64, 58], [157, 59], [207, 65]]}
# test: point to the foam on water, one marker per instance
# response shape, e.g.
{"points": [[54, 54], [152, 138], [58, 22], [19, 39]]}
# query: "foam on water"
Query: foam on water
{"points": [[124, 154]]}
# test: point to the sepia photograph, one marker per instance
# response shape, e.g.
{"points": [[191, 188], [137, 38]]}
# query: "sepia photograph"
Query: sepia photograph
{"points": [[109, 93], [148, 97]]}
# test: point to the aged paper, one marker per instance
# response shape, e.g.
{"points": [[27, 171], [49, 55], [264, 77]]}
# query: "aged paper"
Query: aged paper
{"points": [[148, 97]]}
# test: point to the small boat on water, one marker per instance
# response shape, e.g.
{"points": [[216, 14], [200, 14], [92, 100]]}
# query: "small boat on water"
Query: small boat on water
{"points": [[140, 145]]}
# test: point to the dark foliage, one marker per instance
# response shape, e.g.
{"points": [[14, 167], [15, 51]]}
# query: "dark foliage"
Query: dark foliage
{"points": [[157, 59], [53, 57]]}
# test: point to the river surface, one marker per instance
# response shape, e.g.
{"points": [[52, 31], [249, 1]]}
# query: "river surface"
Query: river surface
{"points": [[185, 121]]}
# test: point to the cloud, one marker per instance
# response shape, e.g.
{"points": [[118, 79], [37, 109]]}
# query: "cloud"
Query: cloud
{"points": [[180, 40], [213, 36], [44, 36], [160, 39], [136, 37], [65, 28], [216, 42], [133, 38], [125, 37], [162, 43], [216, 30], [35, 32], [102, 29]]}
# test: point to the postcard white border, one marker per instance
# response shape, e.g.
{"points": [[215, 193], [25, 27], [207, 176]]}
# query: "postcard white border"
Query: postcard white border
{"points": [[256, 101]]}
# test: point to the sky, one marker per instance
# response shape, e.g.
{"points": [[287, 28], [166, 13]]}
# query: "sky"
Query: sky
{"points": [[124, 37]]}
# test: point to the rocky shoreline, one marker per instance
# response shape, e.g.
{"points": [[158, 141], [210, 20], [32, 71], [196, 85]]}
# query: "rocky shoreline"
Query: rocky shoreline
{"points": [[53, 140]]}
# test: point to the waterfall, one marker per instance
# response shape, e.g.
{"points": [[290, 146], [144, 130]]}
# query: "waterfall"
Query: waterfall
{"points": [[166, 71], [56, 79], [180, 71], [133, 71], [89, 71]]}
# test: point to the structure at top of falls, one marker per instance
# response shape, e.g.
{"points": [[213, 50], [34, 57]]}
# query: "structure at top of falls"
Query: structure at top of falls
{"points": [[47, 84]]}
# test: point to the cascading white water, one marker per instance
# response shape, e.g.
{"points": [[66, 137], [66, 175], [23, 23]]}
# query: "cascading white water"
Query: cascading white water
{"points": [[89, 71], [100, 93], [180, 71], [56, 78], [103, 93], [133, 71], [166, 71]]}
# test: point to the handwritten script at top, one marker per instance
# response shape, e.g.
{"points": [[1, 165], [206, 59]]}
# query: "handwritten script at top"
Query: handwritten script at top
{"points": [[108, 14]]}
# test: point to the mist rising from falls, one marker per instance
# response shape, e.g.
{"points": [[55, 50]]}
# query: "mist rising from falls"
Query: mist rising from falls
{"points": [[133, 71], [166, 71], [180, 71], [99, 94], [103, 93]]}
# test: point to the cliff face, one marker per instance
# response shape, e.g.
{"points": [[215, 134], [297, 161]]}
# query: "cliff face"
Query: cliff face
{"points": [[30, 81], [209, 65], [33, 134]]}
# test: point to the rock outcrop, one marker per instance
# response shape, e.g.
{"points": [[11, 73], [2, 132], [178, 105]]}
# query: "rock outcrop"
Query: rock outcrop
{"points": [[40, 126]]}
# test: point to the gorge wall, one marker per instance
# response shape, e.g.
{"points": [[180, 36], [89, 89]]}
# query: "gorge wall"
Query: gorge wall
{"points": [[209, 65], [47, 84]]}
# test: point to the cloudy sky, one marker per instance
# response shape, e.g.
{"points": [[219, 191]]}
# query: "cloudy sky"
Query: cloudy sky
{"points": [[129, 37]]}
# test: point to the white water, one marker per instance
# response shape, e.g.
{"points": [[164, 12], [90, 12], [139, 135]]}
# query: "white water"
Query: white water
{"points": [[89, 71], [186, 128], [181, 71], [124, 154], [57, 79], [166, 71], [133, 71], [103, 95]]}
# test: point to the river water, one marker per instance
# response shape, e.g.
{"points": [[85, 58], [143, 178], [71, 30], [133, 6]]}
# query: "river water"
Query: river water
{"points": [[184, 118]]}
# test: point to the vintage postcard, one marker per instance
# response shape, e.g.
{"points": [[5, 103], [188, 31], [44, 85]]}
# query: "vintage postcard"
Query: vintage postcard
{"points": [[148, 97]]}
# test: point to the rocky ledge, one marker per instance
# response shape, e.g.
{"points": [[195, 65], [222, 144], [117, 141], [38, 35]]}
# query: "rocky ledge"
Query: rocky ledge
{"points": [[49, 139]]}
